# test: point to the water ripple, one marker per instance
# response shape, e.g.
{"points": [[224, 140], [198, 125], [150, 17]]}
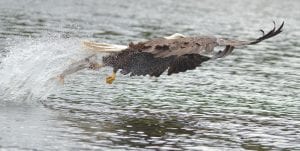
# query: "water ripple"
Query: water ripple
{"points": [[247, 101]]}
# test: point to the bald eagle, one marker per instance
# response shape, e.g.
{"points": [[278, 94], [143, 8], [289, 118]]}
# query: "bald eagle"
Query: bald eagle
{"points": [[174, 54]]}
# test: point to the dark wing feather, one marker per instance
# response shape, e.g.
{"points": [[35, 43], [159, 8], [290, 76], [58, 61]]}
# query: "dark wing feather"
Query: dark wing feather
{"points": [[235, 43], [162, 48], [231, 44], [270, 34], [186, 62]]}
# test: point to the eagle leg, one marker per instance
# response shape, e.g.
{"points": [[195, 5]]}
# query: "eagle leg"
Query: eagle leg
{"points": [[110, 79]]}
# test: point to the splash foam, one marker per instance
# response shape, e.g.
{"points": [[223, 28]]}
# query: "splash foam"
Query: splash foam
{"points": [[29, 68]]}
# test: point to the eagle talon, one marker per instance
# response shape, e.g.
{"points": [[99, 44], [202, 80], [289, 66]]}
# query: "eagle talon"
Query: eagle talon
{"points": [[111, 79]]}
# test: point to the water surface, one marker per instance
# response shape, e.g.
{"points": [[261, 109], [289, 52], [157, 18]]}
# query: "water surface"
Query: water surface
{"points": [[247, 101]]}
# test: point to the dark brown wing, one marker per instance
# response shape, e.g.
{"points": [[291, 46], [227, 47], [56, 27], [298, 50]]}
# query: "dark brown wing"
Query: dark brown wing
{"points": [[204, 45], [162, 47], [186, 62]]}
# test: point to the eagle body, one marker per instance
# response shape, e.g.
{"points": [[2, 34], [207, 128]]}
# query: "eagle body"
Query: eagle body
{"points": [[174, 54], [137, 62]]}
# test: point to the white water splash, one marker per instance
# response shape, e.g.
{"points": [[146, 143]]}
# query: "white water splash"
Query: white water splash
{"points": [[29, 69]]}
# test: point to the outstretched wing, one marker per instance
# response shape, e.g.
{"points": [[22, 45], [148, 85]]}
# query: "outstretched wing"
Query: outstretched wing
{"points": [[179, 45], [205, 45]]}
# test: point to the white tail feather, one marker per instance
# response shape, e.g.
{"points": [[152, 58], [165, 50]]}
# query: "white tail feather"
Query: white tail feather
{"points": [[103, 47]]}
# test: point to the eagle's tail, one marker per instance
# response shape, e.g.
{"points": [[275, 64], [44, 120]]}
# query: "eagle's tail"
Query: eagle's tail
{"points": [[103, 47]]}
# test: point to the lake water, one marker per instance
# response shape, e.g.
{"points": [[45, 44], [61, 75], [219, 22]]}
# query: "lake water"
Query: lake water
{"points": [[247, 101]]}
